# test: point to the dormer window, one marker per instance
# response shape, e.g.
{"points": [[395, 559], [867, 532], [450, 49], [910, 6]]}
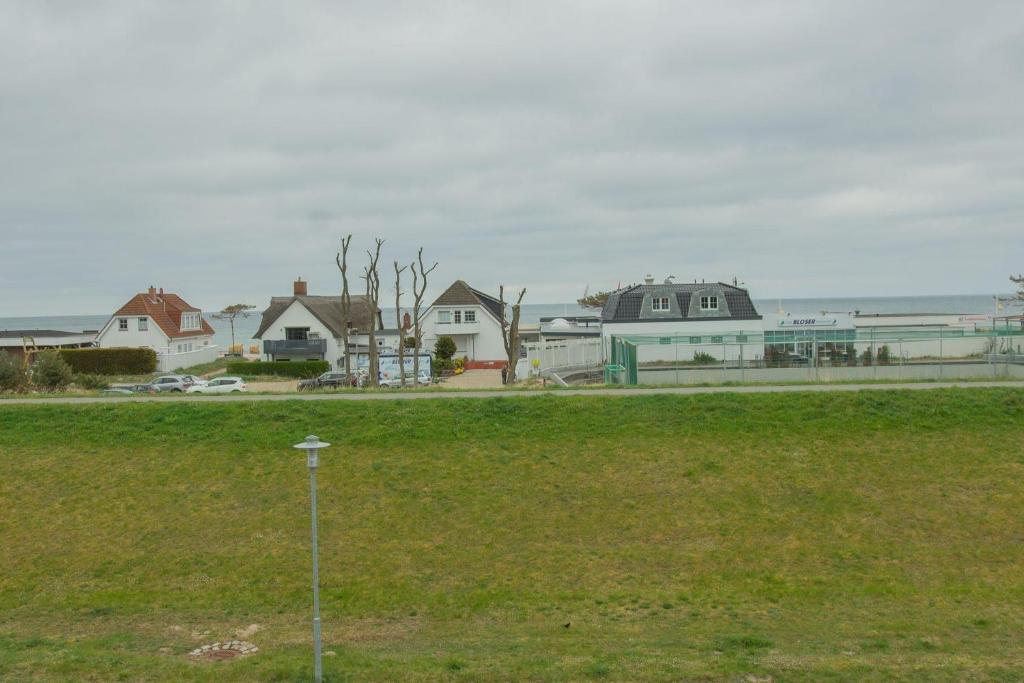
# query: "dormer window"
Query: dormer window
{"points": [[469, 316], [190, 321], [458, 317], [659, 303], [444, 317], [709, 303]]}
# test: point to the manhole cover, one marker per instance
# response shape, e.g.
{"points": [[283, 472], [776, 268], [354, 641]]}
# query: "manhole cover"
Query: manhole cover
{"points": [[220, 651]]}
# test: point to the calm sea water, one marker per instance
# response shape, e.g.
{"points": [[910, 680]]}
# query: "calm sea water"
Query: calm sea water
{"points": [[532, 313]]}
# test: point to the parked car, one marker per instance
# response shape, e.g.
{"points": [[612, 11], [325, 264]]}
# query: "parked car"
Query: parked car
{"points": [[171, 383], [395, 382], [331, 378], [193, 381], [129, 389], [220, 385]]}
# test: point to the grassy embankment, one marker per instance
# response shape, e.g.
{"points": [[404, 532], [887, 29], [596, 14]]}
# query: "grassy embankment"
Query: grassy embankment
{"points": [[870, 536]]}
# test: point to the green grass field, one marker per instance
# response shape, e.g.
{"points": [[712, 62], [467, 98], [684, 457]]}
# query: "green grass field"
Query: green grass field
{"points": [[803, 537]]}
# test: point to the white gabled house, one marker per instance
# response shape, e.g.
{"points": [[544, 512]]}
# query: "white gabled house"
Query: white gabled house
{"points": [[307, 327], [165, 323], [472, 319]]}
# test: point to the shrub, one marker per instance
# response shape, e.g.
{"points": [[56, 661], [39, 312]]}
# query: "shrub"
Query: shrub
{"points": [[90, 382], [303, 369], [704, 358], [410, 342], [444, 348], [884, 355], [12, 373], [51, 372], [116, 361], [866, 357]]}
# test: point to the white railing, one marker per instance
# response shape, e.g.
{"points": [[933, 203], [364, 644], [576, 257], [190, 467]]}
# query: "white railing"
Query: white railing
{"points": [[560, 355]]}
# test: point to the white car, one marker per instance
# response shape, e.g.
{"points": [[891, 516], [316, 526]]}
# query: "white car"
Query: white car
{"points": [[395, 382], [220, 385]]}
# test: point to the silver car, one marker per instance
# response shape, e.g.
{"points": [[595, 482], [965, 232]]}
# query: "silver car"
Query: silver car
{"points": [[171, 383]]}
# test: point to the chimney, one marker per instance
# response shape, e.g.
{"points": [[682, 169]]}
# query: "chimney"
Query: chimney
{"points": [[152, 292], [299, 288], [649, 280]]}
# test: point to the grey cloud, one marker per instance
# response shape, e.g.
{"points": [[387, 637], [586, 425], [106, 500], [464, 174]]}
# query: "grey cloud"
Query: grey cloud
{"points": [[811, 148]]}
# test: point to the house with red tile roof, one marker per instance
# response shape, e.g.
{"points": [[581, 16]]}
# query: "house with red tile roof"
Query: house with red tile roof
{"points": [[164, 322]]}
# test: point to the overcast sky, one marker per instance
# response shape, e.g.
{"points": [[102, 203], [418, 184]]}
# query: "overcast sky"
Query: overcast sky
{"points": [[221, 149]]}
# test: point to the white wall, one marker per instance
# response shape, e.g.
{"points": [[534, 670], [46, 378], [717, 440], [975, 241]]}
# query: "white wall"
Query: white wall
{"points": [[167, 362], [913, 371], [297, 315], [703, 328], [152, 338], [481, 341]]}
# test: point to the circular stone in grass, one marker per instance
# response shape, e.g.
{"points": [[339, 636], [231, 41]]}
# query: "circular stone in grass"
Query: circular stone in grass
{"points": [[216, 652]]}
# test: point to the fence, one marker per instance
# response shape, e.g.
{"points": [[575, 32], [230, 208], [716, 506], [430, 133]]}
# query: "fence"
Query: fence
{"points": [[573, 354], [817, 355]]}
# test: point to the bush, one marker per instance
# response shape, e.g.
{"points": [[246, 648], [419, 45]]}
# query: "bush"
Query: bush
{"points": [[866, 358], [12, 373], [704, 358], [303, 369], [90, 382], [444, 348], [116, 361], [410, 342], [884, 355], [51, 372]]}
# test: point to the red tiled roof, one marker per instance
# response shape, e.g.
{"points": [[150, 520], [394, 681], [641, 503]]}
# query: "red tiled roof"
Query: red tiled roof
{"points": [[165, 310]]}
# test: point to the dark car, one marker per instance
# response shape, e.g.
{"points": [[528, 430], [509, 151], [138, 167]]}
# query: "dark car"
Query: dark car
{"points": [[330, 378]]}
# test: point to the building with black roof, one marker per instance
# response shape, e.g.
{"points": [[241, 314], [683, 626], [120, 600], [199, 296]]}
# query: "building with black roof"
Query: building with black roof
{"points": [[702, 312]]}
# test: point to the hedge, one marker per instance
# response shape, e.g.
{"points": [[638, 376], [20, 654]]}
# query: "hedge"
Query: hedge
{"points": [[303, 369], [120, 361]]}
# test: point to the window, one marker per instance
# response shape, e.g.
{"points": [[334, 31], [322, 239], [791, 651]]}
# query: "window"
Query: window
{"points": [[741, 338], [717, 340], [458, 317], [122, 324], [709, 303], [191, 320], [659, 303], [143, 324], [695, 340], [469, 316], [444, 317], [296, 333]]}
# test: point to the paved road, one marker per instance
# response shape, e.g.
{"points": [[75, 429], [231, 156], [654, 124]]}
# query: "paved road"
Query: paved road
{"points": [[432, 395]]}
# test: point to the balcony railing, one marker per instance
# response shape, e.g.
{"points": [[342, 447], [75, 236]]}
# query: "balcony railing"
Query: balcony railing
{"points": [[273, 346]]}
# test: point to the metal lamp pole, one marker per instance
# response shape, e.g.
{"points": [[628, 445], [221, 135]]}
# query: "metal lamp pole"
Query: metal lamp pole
{"points": [[312, 445]]}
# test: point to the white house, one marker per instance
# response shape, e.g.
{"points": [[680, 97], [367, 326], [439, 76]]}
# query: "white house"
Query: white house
{"points": [[165, 323], [308, 327], [472, 319], [705, 314]]}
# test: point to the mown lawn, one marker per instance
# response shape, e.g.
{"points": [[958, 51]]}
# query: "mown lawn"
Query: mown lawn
{"points": [[802, 537]]}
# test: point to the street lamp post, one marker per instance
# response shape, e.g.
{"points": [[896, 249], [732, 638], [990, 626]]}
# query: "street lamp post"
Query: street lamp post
{"points": [[312, 445]]}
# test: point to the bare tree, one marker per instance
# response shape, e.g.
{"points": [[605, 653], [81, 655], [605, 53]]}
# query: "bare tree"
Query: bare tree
{"points": [[419, 289], [510, 333], [372, 277], [341, 258], [398, 320]]}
